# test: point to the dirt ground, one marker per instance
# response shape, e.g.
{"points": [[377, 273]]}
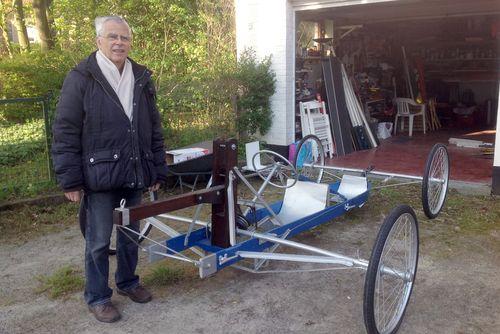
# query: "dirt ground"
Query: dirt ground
{"points": [[457, 289]]}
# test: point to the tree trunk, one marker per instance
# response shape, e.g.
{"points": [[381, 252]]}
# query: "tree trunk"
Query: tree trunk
{"points": [[42, 25], [22, 33], [50, 20], [4, 38]]}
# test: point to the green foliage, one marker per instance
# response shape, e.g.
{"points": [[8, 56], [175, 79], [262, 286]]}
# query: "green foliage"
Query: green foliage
{"points": [[23, 160], [31, 74], [256, 84], [189, 46], [61, 283], [19, 142]]}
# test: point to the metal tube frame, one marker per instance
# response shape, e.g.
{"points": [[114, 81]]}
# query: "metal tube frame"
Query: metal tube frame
{"points": [[326, 257], [417, 179]]}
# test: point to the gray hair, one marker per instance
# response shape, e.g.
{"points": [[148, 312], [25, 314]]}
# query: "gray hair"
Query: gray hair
{"points": [[100, 20]]}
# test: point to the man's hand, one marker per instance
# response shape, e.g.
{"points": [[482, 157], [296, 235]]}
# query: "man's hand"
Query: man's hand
{"points": [[73, 196], [154, 187]]}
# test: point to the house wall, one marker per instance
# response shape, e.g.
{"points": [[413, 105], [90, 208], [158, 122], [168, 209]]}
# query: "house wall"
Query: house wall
{"points": [[269, 28]]}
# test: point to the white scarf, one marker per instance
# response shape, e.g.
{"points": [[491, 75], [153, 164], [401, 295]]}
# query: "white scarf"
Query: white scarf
{"points": [[123, 84]]}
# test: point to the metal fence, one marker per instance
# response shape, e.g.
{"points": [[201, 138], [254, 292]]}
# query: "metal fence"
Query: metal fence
{"points": [[25, 163]]}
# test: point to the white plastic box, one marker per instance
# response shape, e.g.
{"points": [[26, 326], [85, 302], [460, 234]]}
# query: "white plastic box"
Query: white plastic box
{"points": [[180, 155]]}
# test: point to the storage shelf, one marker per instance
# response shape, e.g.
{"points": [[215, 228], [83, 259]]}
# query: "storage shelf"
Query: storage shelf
{"points": [[459, 71], [458, 59], [310, 58]]}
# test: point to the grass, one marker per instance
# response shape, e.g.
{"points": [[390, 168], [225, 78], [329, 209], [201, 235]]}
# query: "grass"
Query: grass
{"points": [[164, 274], [21, 224], [61, 283], [23, 160], [477, 214], [28, 178]]}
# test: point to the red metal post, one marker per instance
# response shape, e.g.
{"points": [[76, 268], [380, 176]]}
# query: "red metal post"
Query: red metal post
{"points": [[225, 157]]}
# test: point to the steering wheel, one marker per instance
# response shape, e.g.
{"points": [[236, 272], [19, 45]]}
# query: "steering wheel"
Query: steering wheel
{"points": [[273, 163]]}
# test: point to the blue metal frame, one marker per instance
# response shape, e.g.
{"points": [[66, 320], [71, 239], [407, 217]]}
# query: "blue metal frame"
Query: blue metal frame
{"points": [[201, 237]]}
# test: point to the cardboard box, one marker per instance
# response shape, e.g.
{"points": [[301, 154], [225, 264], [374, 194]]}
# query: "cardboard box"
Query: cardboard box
{"points": [[180, 155]]}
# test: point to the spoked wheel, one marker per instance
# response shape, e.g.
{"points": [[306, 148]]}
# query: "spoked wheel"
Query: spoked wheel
{"points": [[435, 181], [391, 272], [144, 226], [281, 169], [310, 158]]}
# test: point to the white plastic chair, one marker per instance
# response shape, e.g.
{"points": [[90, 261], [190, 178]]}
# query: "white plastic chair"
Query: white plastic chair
{"points": [[403, 110], [315, 122]]}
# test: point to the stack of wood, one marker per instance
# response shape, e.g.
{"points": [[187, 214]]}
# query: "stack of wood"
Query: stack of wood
{"points": [[432, 118]]}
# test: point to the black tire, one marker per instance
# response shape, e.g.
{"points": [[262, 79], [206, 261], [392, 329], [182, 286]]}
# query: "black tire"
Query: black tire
{"points": [[435, 181], [145, 227], [312, 174], [402, 216]]}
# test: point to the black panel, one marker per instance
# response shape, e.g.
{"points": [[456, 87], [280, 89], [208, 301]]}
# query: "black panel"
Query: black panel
{"points": [[495, 181], [362, 138], [337, 107]]}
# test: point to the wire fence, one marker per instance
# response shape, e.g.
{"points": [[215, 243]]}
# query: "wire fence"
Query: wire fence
{"points": [[25, 162]]}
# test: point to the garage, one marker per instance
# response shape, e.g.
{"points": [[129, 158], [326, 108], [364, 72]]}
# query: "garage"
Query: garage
{"points": [[444, 55]]}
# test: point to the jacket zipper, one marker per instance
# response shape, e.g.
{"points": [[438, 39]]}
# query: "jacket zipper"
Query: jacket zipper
{"points": [[121, 107]]}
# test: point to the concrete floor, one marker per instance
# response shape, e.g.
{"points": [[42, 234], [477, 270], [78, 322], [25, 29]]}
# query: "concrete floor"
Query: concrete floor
{"points": [[407, 155]]}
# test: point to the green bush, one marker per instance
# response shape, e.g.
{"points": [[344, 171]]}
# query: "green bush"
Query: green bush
{"points": [[256, 84], [19, 142], [30, 75]]}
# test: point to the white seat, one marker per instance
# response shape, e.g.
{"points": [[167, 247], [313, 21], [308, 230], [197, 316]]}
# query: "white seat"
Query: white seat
{"points": [[303, 199], [250, 150], [403, 110], [314, 120], [352, 186]]}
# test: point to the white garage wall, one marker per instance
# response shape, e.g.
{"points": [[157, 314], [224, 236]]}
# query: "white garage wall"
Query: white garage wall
{"points": [[268, 27]]}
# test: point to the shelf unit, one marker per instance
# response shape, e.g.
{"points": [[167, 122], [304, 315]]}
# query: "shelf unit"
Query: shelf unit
{"points": [[462, 61]]}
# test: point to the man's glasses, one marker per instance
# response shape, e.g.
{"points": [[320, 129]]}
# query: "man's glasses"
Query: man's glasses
{"points": [[115, 38]]}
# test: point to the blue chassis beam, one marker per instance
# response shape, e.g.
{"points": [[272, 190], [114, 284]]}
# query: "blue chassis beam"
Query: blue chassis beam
{"points": [[201, 237]]}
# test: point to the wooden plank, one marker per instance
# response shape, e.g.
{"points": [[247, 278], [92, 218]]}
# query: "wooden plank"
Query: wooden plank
{"points": [[225, 158], [142, 211]]}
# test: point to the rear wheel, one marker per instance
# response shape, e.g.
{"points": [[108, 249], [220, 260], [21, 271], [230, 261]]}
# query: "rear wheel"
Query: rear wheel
{"points": [[435, 181], [391, 272], [310, 158]]}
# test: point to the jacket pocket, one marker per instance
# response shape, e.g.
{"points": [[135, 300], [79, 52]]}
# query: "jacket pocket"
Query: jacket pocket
{"points": [[102, 169], [148, 168]]}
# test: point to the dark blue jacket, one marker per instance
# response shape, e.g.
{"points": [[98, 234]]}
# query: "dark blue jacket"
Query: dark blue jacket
{"points": [[95, 145]]}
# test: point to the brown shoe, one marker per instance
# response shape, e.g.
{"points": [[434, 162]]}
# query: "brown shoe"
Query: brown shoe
{"points": [[105, 312], [138, 294]]}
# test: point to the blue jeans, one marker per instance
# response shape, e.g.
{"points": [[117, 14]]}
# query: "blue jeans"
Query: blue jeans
{"points": [[98, 231]]}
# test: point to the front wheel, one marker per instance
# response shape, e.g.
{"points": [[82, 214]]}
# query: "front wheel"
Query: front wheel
{"points": [[391, 272], [310, 158]]}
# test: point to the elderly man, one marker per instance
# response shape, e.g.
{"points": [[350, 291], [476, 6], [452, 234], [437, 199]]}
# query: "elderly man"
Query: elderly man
{"points": [[108, 143]]}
